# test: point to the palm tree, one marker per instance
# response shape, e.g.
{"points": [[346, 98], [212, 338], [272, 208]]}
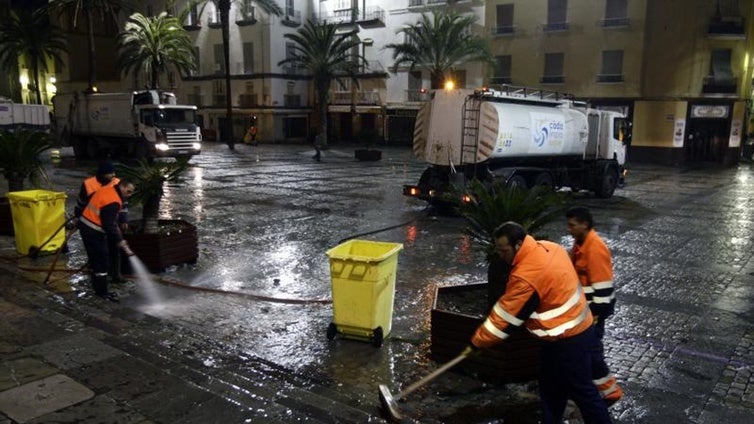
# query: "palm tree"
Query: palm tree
{"points": [[438, 43], [327, 56], [29, 34], [154, 45], [104, 9], [269, 7]]}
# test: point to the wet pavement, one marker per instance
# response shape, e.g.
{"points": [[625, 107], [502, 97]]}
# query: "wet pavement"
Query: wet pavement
{"points": [[681, 342]]}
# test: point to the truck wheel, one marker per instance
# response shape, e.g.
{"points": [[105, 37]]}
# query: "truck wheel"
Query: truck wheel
{"points": [[517, 182], [544, 180], [606, 187]]}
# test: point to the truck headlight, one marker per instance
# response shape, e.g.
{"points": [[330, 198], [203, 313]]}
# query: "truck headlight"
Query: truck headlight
{"points": [[196, 146], [162, 147]]}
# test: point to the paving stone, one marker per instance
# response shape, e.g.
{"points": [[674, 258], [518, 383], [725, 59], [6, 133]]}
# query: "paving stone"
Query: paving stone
{"points": [[41, 397], [17, 372], [73, 351], [100, 410]]}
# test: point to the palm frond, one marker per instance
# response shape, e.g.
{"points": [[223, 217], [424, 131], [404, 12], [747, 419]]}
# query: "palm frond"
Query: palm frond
{"points": [[493, 205]]}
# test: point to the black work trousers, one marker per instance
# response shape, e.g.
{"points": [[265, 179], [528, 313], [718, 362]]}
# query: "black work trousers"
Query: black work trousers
{"points": [[566, 373]]}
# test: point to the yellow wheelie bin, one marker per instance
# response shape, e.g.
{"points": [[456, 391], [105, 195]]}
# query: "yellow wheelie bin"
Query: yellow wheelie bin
{"points": [[363, 276], [38, 215]]}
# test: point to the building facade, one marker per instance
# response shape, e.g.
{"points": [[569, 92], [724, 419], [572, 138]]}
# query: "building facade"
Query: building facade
{"points": [[681, 69]]}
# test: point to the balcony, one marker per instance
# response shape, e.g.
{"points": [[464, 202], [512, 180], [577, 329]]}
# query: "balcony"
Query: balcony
{"points": [[555, 27], [292, 18], [248, 100], [372, 17], [614, 22], [356, 97], [552, 79], [372, 67], [219, 100], [728, 28], [247, 17], [195, 99], [292, 100], [413, 96], [503, 30], [610, 78], [712, 85], [501, 80], [415, 3]]}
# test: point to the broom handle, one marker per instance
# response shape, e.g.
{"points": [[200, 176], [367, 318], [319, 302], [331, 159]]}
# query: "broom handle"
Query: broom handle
{"points": [[410, 389]]}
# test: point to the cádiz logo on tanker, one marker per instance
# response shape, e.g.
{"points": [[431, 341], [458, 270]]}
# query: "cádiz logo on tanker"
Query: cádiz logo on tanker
{"points": [[547, 131]]}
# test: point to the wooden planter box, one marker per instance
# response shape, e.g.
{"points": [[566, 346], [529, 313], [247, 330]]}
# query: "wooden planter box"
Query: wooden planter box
{"points": [[368, 155], [456, 313], [175, 245]]}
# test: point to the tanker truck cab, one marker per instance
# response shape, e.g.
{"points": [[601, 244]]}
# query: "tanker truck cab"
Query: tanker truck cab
{"points": [[170, 130], [517, 136]]}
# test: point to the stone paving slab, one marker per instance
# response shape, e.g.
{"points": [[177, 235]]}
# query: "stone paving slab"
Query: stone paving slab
{"points": [[73, 351], [16, 372], [41, 397]]}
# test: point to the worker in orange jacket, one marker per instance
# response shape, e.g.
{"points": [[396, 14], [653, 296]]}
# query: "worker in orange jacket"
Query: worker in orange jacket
{"points": [[594, 266], [99, 231], [543, 294], [105, 176]]}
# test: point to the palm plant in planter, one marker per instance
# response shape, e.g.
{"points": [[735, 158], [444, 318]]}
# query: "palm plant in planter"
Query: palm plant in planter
{"points": [[158, 243], [20, 153], [491, 206], [459, 310]]}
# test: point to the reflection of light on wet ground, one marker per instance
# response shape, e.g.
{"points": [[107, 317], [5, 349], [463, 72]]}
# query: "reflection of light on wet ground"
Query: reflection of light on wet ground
{"points": [[197, 190]]}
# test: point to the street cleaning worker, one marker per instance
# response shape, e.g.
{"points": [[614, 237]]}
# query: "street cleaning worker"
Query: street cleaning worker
{"points": [[99, 230], [543, 294], [594, 266], [105, 176]]}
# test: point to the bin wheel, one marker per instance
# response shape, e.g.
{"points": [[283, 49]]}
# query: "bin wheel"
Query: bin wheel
{"points": [[377, 338], [332, 329]]}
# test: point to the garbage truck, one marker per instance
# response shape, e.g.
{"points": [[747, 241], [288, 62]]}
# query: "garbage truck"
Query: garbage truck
{"points": [[516, 136], [139, 124], [22, 116]]}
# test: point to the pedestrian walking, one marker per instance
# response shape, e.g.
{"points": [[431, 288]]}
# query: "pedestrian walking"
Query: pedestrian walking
{"points": [[99, 231], [317, 148], [105, 176], [251, 136], [543, 294], [594, 265]]}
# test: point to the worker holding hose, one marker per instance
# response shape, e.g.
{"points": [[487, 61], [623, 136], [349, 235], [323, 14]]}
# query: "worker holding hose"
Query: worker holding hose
{"points": [[105, 176], [544, 295], [99, 231]]}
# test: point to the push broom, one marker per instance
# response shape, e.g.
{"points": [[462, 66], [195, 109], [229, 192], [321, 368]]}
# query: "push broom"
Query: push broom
{"points": [[390, 402]]}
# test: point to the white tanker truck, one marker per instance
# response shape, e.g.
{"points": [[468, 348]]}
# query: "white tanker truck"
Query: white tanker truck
{"points": [[518, 136]]}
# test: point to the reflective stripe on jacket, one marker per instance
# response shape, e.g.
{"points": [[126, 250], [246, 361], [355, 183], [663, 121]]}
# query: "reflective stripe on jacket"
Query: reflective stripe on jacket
{"points": [[103, 197], [594, 266], [543, 293]]}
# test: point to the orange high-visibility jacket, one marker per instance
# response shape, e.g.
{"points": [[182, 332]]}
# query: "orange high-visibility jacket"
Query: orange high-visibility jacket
{"points": [[594, 265], [91, 184], [101, 198], [543, 293]]}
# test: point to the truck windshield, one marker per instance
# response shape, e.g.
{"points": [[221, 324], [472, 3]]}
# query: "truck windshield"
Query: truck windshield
{"points": [[171, 116]]}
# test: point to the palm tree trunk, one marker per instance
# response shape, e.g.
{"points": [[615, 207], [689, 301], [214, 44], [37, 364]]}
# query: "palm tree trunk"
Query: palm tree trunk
{"points": [[224, 21], [436, 79], [35, 78], [322, 100], [90, 39]]}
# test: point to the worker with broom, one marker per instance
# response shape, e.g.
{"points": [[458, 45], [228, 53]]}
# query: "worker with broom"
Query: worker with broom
{"points": [[544, 294]]}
